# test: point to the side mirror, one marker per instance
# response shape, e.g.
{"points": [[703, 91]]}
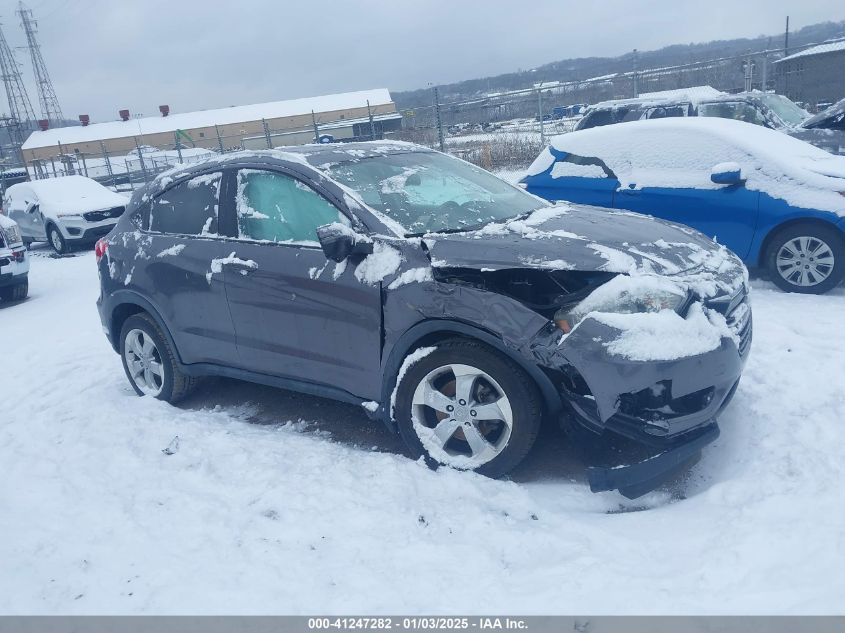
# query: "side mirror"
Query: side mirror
{"points": [[727, 174], [338, 242]]}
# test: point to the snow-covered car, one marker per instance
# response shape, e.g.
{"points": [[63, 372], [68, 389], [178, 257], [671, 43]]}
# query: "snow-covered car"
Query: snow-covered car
{"points": [[14, 262], [776, 201], [455, 307], [63, 211], [766, 109]]}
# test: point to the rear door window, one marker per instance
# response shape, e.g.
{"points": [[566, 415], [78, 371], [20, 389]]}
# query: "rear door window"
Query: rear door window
{"points": [[189, 208], [275, 207], [573, 165]]}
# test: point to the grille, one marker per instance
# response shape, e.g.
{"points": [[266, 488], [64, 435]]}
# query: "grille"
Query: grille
{"points": [[105, 214]]}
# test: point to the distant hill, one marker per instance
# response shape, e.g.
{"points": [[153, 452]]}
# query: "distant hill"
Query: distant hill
{"points": [[585, 67]]}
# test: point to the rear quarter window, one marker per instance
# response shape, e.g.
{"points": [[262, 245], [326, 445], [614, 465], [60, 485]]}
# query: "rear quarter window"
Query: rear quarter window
{"points": [[188, 208]]}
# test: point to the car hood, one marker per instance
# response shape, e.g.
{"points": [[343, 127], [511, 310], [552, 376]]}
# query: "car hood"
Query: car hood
{"points": [[583, 238]]}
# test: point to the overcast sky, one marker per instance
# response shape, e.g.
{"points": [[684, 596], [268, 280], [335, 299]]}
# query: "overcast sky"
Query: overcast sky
{"points": [[106, 55]]}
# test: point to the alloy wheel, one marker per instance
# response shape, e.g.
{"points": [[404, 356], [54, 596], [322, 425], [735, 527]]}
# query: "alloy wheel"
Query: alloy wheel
{"points": [[461, 415], [805, 261], [144, 362]]}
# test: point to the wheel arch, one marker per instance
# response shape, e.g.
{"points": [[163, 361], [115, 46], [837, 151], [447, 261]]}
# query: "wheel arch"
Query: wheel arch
{"points": [[126, 304], [431, 332], [772, 233]]}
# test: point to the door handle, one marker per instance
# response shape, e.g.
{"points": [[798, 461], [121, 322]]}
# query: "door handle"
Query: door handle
{"points": [[244, 268]]}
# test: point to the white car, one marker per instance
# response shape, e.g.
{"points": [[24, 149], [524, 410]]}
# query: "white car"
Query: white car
{"points": [[14, 263], [63, 211]]}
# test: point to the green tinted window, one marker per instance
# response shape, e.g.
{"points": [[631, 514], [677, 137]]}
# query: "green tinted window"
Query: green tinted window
{"points": [[278, 208]]}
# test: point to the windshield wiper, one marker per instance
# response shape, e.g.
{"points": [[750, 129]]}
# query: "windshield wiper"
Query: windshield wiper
{"points": [[472, 227]]}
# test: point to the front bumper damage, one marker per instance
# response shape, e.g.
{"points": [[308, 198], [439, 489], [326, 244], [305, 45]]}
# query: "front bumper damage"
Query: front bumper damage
{"points": [[668, 407]]}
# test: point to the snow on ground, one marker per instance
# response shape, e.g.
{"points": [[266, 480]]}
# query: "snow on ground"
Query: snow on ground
{"points": [[278, 503]]}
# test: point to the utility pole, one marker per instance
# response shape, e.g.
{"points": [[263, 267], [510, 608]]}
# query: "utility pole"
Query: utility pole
{"points": [[635, 77], [540, 112], [439, 120], [50, 108], [786, 38], [372, 127], [316, 129]]}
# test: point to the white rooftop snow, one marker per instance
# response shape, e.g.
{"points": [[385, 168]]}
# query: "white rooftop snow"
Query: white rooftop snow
{"points": [[828, 47], [206, 118], [681, 152]]}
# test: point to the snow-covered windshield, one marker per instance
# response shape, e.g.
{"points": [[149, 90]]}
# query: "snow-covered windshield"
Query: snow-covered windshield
{"points": [[430, 192], [788, 111]]}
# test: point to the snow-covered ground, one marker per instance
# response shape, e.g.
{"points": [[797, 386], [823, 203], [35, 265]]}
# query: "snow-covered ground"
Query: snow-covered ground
{"points": [[278, 503]]}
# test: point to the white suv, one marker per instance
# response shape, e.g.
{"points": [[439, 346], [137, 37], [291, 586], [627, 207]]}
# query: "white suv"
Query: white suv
{"points": [[14, 262]]}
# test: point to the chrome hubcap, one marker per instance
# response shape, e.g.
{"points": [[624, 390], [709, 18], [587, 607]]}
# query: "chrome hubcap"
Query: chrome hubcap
{"points": [[461, 415], [144, 362], [805, 261]]}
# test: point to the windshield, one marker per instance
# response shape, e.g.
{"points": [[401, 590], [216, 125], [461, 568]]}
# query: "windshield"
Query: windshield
{"points": [[787, 110], [431, 192]]}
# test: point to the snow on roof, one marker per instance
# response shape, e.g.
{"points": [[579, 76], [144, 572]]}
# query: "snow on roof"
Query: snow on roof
{"points": [[692, 95], [828, 47], [205, 118], [680, 152], [71, 194]]}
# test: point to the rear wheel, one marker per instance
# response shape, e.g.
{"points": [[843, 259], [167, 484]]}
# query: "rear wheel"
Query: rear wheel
{"points": [[17, 292], [466, 406], [56, 239], [150, 362], [806, 258]]}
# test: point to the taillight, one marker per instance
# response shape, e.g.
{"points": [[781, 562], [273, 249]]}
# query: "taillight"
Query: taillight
{"points": [[100, 248]]}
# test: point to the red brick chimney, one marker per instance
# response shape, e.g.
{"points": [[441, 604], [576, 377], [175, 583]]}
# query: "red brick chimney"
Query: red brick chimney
{"points": [[43, 124], [124, 114], [164, 109], [84, 119]]}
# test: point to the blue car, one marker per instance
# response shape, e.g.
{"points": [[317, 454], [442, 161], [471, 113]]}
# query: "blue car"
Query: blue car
{"points": [[776, 201]]}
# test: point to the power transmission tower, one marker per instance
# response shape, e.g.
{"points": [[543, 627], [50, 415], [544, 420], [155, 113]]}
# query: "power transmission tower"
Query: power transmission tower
{"points": [[50, 108], [21, 114]]}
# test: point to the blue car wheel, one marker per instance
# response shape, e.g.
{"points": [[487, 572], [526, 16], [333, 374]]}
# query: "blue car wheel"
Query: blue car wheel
{"points": [[806, 258]]}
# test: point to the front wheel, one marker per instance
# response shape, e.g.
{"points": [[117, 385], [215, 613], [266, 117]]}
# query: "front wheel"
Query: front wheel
{"points": [[56, 239], [806, 258], [466, 406], [149, 361]]}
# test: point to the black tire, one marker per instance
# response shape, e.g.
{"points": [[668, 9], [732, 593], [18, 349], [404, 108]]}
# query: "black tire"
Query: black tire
{"points": [[829, 235], [519, 388], [175, 384], [17, 292], [56, 240]]}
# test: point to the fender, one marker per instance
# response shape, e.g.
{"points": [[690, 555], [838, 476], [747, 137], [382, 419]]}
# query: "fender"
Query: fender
{"points": [[124, 297], [418, 332]]}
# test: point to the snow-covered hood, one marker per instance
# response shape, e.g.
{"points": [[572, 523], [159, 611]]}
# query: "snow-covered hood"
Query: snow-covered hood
{"points": [[584, 238], [72, 195]]}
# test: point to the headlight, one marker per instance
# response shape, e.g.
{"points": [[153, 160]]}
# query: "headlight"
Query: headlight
{"points": [[624, 295]]}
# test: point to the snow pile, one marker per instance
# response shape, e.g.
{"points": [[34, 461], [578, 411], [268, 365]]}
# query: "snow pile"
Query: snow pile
{"points": [[563, 169], [680, 152], [172, 251], [411, 276]]}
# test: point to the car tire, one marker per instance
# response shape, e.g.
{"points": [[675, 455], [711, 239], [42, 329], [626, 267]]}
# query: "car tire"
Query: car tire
{"points": [[494, 382], [142, 343], [56, 239], [18, 292], [797, 258]]}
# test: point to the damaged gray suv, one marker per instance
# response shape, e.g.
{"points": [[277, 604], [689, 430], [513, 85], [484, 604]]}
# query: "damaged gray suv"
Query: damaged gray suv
{"points": [[458, 309]]}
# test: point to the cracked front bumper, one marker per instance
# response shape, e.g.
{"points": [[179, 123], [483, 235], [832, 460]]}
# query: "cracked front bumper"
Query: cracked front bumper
{"points": [[669, 406]]}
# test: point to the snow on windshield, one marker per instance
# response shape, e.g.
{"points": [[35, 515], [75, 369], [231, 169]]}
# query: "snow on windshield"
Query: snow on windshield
{"points": [[430, 192]]}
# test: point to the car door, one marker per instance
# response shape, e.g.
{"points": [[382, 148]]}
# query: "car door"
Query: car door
{"points": [[574, 178], [296, 314], [179, 269], [668, 176]]}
